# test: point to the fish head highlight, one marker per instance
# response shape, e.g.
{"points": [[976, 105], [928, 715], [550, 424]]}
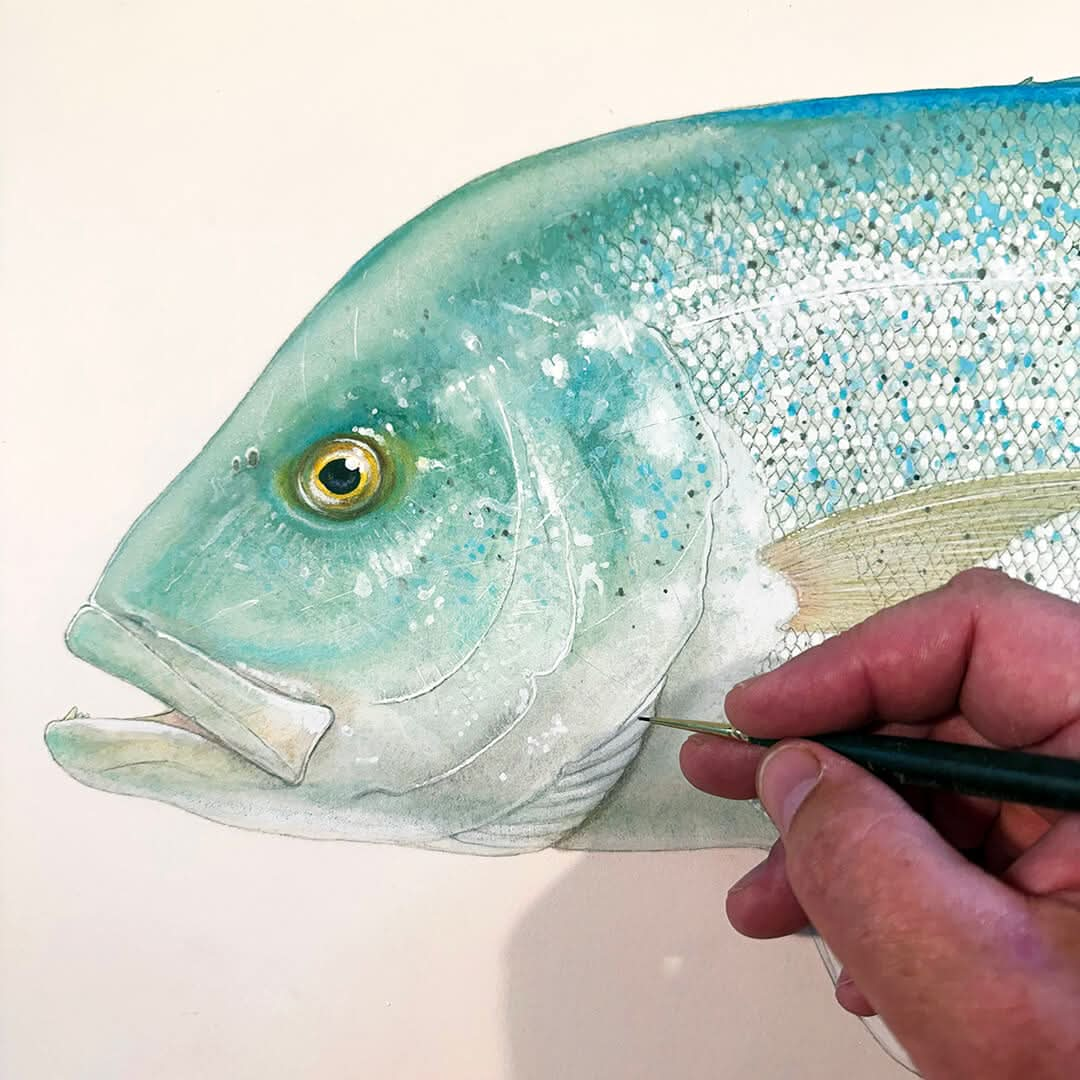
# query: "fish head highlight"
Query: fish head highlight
{"points": [[419, 584]]}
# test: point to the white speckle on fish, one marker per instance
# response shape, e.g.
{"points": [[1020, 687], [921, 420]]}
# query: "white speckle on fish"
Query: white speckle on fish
{"points": [[588, 576], [396, 564], [611, 332], [528, 311], [654, 426], [556, 369], [376, 566], [363, 586], [557, 728]]}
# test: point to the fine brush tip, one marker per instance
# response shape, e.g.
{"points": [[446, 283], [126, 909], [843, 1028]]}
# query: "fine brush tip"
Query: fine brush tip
{"points": [[707, 727]]}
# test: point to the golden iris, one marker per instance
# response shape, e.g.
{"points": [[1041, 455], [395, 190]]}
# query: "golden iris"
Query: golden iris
{"points": [[341, 476]]}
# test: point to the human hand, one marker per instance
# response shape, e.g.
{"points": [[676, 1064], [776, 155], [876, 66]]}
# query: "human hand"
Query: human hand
{"points": [[972, 960]]}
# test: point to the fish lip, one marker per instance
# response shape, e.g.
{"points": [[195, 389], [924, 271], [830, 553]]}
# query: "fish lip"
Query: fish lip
{"points": [[272, 730]]}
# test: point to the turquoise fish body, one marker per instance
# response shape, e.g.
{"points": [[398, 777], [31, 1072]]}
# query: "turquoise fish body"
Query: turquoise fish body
{"points": [[594, 408]]}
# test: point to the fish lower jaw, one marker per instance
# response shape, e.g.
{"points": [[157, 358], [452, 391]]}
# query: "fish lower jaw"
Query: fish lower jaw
{"points": [[147, 755]]}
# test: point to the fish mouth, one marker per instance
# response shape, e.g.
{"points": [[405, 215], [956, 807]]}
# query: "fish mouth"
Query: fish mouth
{"points": [[209, 701]]}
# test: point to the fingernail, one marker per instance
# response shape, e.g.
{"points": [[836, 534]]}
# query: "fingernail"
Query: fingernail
{"points": [[748, 878], [741, 683], [787, 775]]}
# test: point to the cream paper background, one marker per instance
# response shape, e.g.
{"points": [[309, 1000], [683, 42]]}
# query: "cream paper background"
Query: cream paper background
{"points": [[180, 183]]}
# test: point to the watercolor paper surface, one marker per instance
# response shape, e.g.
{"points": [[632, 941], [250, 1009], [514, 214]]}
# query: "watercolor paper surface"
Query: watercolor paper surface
{"points": [[638, 454]]}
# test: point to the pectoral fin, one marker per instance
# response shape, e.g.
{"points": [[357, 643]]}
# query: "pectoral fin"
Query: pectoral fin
{"points": [[846, 567]]}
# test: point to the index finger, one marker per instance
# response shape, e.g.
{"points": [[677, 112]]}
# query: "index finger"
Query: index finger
{"points": [[1004, 654]]}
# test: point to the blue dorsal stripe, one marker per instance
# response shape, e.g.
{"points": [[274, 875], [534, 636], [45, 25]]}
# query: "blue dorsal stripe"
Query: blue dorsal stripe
{"points": [[891, 103]]}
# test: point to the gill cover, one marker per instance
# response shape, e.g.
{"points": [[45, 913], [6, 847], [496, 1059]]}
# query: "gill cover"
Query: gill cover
{"points": [[617, 473]]}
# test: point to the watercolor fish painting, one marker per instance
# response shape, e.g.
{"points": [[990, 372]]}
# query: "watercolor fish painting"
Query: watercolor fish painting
{"points": [[597, 435]]}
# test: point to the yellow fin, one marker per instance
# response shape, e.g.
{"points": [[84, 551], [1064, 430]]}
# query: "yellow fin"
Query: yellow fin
{"points": [[849, 565]]}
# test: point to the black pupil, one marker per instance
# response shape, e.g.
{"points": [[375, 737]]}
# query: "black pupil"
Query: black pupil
{"points": [[338, 478]]}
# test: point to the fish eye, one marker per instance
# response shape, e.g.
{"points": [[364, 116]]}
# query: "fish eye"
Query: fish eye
{"points": [[341, 476]]}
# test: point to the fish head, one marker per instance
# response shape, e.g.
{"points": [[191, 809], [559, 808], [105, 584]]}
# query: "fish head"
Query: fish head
{"points": [[426, 571], [291, 579]]}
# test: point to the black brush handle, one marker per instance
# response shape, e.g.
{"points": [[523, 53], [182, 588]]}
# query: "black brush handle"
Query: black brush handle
{"points": [[1005, 775]]}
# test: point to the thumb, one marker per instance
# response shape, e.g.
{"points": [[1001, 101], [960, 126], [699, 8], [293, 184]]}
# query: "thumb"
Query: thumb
{"points": [[936, 946]]}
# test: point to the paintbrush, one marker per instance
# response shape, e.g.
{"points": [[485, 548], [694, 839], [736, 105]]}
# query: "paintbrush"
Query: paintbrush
{"points": [[1004, 775]]}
